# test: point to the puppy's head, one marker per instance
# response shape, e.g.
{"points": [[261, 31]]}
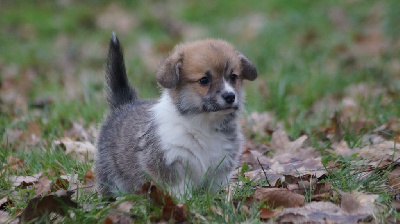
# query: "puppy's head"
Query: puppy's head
{"points": [[205, 76]]}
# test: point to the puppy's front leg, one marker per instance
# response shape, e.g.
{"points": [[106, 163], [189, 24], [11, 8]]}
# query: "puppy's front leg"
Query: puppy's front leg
{"points": [[175, 177]]}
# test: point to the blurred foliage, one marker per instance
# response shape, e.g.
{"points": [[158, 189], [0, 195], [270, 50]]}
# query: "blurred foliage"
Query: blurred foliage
{"points": [[304, 50]]}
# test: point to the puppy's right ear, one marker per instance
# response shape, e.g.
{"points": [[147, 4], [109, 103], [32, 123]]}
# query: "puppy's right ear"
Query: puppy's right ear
{"points": [[168, 73]]}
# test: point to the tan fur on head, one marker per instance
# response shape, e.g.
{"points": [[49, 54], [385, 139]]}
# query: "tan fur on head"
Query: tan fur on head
{"points": [[189, 62]]}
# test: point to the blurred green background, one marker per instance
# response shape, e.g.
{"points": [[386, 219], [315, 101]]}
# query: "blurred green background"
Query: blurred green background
{"points": [[308, 54]]}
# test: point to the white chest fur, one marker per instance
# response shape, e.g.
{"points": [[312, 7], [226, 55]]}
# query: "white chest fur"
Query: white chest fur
{"points": [[192, 140]]}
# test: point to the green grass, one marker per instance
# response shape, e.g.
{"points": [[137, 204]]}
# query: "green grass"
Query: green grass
{"points": [[55, 50]]}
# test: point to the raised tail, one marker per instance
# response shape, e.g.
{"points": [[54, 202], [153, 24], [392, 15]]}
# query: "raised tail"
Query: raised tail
{"points": [[119, 92]]}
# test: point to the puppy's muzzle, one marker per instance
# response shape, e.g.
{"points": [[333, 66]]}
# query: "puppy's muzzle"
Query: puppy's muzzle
{"points": [[229, 97]]}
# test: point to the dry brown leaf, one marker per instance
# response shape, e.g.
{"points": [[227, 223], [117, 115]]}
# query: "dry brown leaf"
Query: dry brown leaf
{"points": [[58, 202], [108, 220], [156, 195], [60, 184], [261, 123], [277, 197], [168, 207], [12, 164], [380, 151], [12, 136], [118, 217], [14, 89], [120, 214], [357, 202], [42, 187], [317, 212], [266, 213], [33, 133], [77, 132], [302, 167], [21, 139], [322, 188], [343, 149], [72, 180], [394, 178], [25, 181], [180, 213], [89, 176], [348, 203], [5, 217], [81, 151], [170, 210], [281, 144], [5, 202], [125, 206]]}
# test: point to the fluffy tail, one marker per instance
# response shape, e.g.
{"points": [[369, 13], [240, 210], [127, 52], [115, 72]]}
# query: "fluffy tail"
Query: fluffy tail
{"points": [[119, 92]]}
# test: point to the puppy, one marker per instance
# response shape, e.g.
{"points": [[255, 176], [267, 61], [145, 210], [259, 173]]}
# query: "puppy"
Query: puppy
{"points": [[191, 136]]}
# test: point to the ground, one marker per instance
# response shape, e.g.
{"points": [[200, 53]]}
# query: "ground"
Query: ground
{"points": [[322, 122]]}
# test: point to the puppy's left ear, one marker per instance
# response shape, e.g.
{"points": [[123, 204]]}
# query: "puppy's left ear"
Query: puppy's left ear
{"points": [[249, 71], [168, 73]]}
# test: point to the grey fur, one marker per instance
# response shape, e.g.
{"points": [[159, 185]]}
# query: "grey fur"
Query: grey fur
{"points": [[130, 152]]}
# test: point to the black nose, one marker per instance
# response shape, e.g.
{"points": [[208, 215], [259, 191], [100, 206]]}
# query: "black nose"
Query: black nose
{"points": [[229, 97]]}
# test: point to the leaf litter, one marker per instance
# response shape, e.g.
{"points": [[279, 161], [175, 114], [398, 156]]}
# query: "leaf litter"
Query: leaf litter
{"points": [[296, 169]]}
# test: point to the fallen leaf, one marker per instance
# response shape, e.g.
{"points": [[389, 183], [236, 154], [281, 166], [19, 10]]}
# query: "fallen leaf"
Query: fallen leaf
{"points": [[348, 203], [5, 202], [89, 176], [322, 188], [156, 195], [180, 213], [118, 217], [318, 212], [81, 151], [125, 206], [394, 178], [357, 202], [25, 181], [170, 210], [77, 132], [266, 213], [58, 202], [33, 133], [343, 149], [21, 139], [42, 186], [168, 207], [261, 123], [281, 144], [108, 220], [277, 197], [13, 163], [4, 217], [380, 151], [120, 214], [60, 184]]}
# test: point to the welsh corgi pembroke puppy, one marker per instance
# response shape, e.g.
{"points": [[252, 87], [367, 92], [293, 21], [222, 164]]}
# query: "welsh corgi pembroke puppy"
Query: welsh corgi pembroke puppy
{"points": [[188, 139]]}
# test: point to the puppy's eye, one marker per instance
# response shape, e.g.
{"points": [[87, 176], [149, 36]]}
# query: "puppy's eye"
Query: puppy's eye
{"points": [[233, 78], [204, 81]]}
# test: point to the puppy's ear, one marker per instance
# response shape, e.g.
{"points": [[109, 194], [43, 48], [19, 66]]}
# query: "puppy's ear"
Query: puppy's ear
{"points": [[249, 71], [168, 73]]}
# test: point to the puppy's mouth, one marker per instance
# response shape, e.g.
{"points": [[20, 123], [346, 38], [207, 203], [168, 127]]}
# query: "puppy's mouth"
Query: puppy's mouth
{"points": [[219, 108]]}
